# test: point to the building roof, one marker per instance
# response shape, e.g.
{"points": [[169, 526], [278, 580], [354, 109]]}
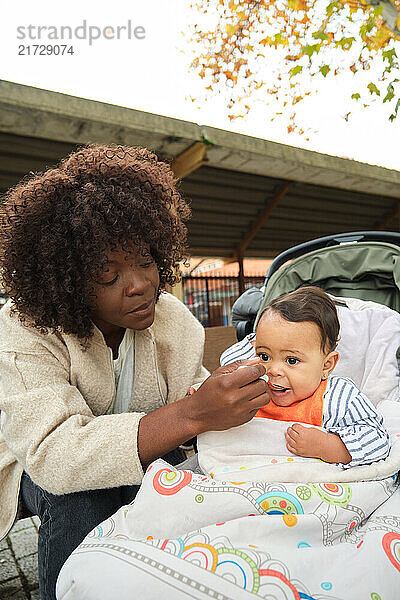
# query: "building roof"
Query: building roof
{"points": [[248, 195]]}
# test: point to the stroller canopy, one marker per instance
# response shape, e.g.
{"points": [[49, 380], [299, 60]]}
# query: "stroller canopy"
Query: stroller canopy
{"points": [[364, 270]]}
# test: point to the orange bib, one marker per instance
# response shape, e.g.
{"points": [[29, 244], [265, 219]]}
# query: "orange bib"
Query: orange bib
{"points": [[308, 411]]}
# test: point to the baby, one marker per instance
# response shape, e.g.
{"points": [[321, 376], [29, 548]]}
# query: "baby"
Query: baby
{"points": [[295, 340]]}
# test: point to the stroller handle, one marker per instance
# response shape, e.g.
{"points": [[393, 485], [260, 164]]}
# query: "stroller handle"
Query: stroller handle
{"points": [[390, 237]]}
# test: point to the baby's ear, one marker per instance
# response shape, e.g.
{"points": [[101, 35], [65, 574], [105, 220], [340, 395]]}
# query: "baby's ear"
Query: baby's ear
{"points": [[329, 363]]}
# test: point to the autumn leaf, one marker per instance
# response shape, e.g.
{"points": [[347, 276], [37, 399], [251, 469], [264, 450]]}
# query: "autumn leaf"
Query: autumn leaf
{"points": [[356, 34], [297, 5], [231, 29], [231, 76], [266, 41], [373, 89]]}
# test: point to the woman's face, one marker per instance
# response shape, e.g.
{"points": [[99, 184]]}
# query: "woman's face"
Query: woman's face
{"points": [[126, 291]]}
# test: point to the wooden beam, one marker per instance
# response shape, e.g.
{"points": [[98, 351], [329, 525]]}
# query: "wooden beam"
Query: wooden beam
{"points": [[190, 160], [262, 218], [195, 266], [230, 260], [392, 215]]}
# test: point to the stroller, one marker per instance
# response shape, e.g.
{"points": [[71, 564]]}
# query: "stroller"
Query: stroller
{"points": [[309, 530], [362, 264]]}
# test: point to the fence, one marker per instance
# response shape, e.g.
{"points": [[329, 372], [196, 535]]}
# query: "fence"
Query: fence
{"points": [[210, 299]]}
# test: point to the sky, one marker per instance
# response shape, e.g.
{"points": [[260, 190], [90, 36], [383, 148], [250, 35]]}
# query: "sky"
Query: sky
{"points": [[151, 72]]}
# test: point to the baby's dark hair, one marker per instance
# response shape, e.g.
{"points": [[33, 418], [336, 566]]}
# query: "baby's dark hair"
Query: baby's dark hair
{"points": [[310, 304], [56, 228]]}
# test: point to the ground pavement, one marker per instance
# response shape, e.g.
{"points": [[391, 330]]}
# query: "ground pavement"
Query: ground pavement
{"points": [[18, 562]]}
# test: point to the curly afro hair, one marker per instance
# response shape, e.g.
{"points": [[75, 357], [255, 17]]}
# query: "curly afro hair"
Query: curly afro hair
{"points": [[56, 228]]}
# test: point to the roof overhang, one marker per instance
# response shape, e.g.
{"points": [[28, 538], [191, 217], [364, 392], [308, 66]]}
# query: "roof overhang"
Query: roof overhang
{"points": [[231, 179]]}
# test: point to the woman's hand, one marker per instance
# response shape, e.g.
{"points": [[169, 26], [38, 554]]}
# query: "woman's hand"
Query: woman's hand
{"points": [[231, 396]]}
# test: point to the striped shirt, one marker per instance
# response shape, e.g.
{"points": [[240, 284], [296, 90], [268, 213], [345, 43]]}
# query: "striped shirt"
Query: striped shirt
{"points": [[347, 412]]}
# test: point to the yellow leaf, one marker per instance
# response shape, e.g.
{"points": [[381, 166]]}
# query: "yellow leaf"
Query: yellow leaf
{"points": [[297, 5], [231, 29], [266, 41]]}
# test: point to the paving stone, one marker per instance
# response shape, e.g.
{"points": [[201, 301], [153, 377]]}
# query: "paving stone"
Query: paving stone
{"points": [[28, 565], [8, 569], [22, 524], [20, 595], [24, 542], [3, 544], [12, 589]]}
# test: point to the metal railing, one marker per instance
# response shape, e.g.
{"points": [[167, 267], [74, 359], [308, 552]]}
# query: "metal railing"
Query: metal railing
{"points": [[210, 299]]}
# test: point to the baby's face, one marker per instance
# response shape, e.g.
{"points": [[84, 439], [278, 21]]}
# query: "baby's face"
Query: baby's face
{"points": [[292, 356]]}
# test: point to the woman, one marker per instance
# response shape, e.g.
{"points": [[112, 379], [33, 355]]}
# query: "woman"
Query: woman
{"points": [[95, 360]]}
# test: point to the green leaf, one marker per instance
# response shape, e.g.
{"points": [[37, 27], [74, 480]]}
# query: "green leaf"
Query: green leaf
{"points": [[324, 70], [320, 35], [295, 71], [356, 96], [373, 89], [280, 39], [394, 115], [331, 8], [345, 43], [310, 49], [378, 10], [389, 55], [390, 93]]}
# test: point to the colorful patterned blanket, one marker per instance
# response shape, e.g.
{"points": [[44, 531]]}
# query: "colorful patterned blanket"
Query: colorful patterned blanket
{"points": [[190, 536]]}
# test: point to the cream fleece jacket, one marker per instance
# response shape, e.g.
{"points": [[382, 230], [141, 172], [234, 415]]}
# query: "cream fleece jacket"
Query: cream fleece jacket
{"points": [[54, 398]]}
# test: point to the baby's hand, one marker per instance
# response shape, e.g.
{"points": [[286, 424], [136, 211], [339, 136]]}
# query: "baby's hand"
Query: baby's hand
{"points": [[310, 442], [305, 441]]}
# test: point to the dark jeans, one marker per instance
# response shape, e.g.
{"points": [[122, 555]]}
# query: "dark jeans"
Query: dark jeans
{"points": [[66, 520]]}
